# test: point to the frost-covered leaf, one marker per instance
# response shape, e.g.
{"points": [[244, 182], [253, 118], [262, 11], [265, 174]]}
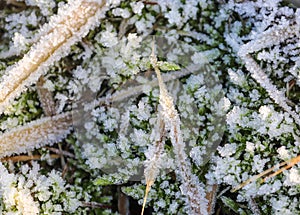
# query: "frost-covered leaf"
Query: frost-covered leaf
{"points": [[167, 66]]}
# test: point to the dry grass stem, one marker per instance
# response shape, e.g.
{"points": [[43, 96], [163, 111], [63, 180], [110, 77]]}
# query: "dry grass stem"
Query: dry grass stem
{"points": [[211, 196], [288, 164], [24, 158]]}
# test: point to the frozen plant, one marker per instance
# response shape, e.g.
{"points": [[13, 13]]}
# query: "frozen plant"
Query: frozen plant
{"points": [[30, 192], [78, 95]]}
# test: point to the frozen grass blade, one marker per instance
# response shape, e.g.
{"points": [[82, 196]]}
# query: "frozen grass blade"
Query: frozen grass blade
{"points": [[191, 187], [152, 164], [259, 75], [72, 22], [35, 134], [273, 36]]}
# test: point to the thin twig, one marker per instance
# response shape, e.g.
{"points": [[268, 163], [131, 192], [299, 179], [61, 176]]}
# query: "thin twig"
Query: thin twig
{"points": [[61, 152], [290, 164]]}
